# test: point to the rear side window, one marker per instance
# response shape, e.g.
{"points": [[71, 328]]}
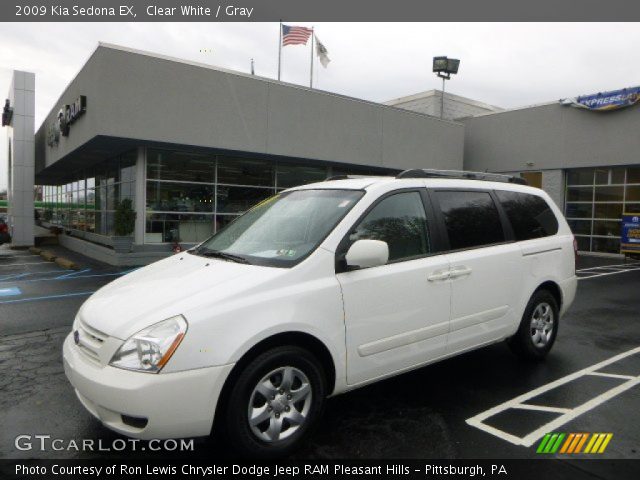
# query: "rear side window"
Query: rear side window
{"points": [[530, 215], [399, 220], [471, 218]]}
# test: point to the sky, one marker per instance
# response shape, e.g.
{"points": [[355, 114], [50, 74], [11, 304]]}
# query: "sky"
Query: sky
{"points": [[504, 64]]}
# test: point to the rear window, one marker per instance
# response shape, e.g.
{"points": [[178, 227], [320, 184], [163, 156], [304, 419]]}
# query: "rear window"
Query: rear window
{"points": [[471, 218], [530, 215]]}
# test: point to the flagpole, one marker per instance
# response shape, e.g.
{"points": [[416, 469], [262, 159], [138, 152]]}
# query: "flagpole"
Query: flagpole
{"points": [[311, 68], [279, 49]]}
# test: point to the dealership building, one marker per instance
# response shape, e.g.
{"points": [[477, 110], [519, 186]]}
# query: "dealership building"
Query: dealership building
{"points": [[193, 146]]}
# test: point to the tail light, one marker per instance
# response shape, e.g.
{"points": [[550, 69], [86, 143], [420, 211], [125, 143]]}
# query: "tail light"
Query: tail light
{"points": [[575, 251], [4, 228]]}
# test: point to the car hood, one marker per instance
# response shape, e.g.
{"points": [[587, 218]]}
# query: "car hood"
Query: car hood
{"points": [[158, 291]]}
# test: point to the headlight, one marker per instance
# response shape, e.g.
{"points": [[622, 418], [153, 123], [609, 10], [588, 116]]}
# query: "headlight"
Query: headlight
{"points": [[151, 348]]}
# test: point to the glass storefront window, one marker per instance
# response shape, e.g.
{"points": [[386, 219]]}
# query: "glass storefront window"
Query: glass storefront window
{"points": [[602, 176], [113, 193], [579, 194], [632, 194], [244, 171], [224, 220], [240, 199], [293, 175], [180, 166], [610, 176], [608, 210], [128, 166], [581, 176], [579, 210], [171, 227], [584, 243], [606, 245], [128, 190], [609, 194], [612, 194], [580, 227], [179, 197], [606, 228], [633, 175], [618, 176], [87, 202]]}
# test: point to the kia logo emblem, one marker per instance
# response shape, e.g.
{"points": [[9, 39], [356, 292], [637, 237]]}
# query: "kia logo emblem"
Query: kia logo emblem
{"points": [[76, 337]]}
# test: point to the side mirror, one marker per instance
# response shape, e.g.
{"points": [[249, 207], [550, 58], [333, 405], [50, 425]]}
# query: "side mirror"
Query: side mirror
{"points": [[367, 253]]}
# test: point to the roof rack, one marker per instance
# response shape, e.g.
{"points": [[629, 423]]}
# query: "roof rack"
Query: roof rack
{"points": [[352, 177], [461, 174]]}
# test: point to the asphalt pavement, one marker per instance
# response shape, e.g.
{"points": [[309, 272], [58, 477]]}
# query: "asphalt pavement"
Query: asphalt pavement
{"points": [[432, 412]]}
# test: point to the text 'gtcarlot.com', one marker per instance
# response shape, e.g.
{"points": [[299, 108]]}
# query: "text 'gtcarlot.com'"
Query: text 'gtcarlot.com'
{"points": [[45, 443]]}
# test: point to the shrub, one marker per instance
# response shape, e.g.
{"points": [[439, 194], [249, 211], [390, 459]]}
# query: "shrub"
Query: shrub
{"points": [[124, 219]]}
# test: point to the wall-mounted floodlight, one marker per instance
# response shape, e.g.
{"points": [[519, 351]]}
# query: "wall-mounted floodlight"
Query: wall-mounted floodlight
{"points": [[445, 67], [7, 113]]}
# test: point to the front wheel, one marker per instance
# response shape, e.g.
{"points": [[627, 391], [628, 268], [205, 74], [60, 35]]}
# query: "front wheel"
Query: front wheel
{"points": [[538, 328], [275, 402]]}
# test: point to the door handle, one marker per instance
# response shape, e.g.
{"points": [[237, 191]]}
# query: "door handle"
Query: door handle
{"points": [[459, 271], [438, 275]]}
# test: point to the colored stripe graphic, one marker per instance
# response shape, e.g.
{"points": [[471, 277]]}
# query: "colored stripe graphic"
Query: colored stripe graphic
{"points": [[573, 442], [567, 443], [550, 443], [584, 439], [543, 442]]}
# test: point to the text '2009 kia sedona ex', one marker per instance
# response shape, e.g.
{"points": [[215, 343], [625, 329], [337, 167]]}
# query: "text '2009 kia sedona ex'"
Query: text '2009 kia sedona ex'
{"points": [[316, 291]]}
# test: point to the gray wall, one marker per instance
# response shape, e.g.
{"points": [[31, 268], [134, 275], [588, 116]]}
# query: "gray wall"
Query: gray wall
{"points": [[136, 95], [551, 137]]}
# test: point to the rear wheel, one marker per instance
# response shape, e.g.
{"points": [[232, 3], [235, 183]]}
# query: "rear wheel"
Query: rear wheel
{"points": [[538, 328], [275, 402]]}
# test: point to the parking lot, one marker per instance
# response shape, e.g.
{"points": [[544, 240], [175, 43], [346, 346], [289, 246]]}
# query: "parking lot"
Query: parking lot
{"points": [[485, 404]]}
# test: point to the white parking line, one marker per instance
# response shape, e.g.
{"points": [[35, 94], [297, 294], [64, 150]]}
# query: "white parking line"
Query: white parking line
{"points": [[22, 264], [604, 274], [605, 270], [628, 264], [567, 414]]}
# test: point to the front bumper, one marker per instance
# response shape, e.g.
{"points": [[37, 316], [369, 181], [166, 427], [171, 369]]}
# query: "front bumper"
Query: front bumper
{"points": [[180, 404]]}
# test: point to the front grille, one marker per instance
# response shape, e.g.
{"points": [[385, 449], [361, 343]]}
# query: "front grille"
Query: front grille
{"points": [[90, 341]]}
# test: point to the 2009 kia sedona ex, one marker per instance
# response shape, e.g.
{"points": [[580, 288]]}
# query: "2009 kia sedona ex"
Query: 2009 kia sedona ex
{"points": [[319, 290]]}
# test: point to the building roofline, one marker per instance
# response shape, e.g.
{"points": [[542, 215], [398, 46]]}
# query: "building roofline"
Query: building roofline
{"points": [[514, 109], [437, 93], [182, 61]]}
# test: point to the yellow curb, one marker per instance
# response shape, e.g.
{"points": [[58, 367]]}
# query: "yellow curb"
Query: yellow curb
{"points": [[68, 264], [35, 250], [49, 256]]}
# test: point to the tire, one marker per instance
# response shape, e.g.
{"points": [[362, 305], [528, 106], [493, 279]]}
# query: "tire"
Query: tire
{"points": [[533, 342], [294, 419]]}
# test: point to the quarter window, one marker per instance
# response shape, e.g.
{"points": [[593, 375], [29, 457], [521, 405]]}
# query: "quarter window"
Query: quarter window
{"points": [[399, 220], [530, 215], [471, 219]]}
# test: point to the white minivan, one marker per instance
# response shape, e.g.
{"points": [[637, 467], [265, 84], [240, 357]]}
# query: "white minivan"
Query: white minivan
{"points": [[316, 291]]}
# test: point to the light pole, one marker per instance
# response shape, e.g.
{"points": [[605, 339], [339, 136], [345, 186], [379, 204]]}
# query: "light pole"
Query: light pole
{"points": [[445, 67]]}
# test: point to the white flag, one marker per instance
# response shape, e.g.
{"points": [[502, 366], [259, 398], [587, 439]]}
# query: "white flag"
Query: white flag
{"points": [[322, 53]]}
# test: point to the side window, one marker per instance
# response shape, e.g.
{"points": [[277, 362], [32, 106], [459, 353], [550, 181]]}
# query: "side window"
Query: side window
{"points": [[399, 220], [530, 215], [471, 218]]}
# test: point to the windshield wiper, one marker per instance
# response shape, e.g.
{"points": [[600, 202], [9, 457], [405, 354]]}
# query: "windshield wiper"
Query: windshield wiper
{"points": [[206, 252]]}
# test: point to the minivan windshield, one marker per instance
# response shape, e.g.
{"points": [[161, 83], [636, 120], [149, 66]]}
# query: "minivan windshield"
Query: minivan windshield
{"points": [[282, 230]]}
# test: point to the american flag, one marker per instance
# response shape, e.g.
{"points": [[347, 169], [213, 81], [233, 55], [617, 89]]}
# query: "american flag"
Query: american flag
{"points": [[295, 35]]}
